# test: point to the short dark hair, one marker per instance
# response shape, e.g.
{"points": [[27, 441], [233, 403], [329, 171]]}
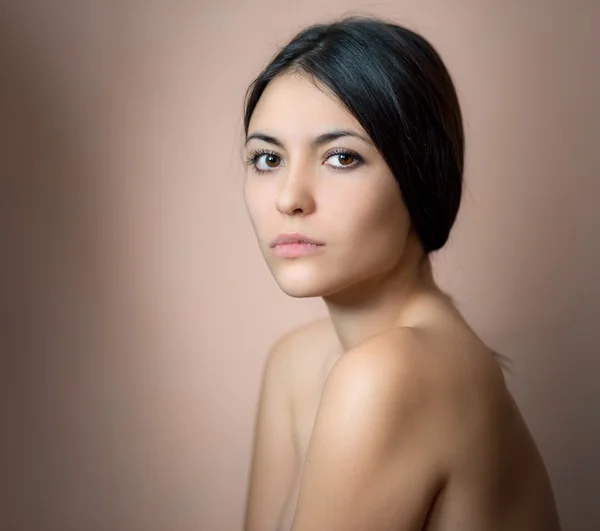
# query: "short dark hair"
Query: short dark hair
{"points": [[395, 84]]}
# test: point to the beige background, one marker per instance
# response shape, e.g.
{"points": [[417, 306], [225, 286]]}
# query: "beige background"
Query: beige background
{"points": [[137, 310]]}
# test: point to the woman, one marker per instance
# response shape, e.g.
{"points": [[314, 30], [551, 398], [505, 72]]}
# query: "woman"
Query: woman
{"points": [[392, 414]]}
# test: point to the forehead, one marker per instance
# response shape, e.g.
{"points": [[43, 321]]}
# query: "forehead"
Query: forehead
{"points": [[291, 103]]}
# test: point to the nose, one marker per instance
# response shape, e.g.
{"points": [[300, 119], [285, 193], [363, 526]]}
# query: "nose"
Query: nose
{"points": [[296, 196]]}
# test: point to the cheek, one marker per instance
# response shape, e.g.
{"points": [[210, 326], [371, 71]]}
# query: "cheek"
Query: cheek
{"points": [[380, 233], [372, 214], [257, 199]]}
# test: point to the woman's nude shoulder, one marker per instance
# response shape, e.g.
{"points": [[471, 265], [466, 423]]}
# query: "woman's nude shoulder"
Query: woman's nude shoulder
{"points": [[493, 461], [496, 475]]}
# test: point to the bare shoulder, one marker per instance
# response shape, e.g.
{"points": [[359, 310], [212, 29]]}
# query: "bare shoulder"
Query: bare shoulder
{"points": [[430, 356], [452, 380], [428, 403]]}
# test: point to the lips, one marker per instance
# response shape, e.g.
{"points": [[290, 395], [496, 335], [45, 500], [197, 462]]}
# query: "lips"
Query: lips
{"points": [[295, 238]]}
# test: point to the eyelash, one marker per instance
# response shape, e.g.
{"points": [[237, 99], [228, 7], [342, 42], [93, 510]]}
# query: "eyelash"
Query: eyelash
{"points": [[254, 155]]}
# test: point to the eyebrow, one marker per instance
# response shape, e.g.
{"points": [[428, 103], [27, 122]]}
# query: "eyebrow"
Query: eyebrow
{"points": [[325, 138]]}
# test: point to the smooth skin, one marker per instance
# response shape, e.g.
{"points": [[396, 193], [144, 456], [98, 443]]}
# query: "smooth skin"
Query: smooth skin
{"points": [[392, 414]]}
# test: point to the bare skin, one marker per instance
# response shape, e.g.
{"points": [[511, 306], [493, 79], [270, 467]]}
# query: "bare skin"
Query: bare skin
{"points": [[497, 481], [392, 415]]}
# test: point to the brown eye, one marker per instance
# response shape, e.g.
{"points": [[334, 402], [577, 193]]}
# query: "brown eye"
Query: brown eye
{"points": [[264, 161], [342, 160], [346, 159], [272, 161]]}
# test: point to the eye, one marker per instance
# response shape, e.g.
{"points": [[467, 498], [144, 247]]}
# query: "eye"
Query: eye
{"points": [[263, 160], [345, 159], [270, 160]]}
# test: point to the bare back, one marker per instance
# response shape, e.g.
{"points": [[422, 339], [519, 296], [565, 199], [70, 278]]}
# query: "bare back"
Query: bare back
{"points": [[498, 480]]}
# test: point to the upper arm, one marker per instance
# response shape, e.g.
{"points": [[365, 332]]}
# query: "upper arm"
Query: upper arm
{"points": [[371, 462], [273, 464]]}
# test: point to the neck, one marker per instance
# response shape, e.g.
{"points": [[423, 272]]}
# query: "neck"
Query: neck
{"points": [[383, 302]]}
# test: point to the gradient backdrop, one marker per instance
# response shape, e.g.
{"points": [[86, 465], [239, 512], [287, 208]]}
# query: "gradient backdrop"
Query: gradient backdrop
{"points": [[136, 308]]}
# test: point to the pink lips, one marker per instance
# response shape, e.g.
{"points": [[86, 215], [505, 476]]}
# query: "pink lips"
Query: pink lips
{"points": [[295, 245]]}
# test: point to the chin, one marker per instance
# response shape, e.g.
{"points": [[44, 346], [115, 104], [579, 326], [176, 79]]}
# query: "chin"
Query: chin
{"points": [[310, 285], [301, 292], [301, 289], [300, 282]]}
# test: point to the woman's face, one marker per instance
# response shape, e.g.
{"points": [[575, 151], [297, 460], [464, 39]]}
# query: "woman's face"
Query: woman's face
{"points": [[338, 191]]}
